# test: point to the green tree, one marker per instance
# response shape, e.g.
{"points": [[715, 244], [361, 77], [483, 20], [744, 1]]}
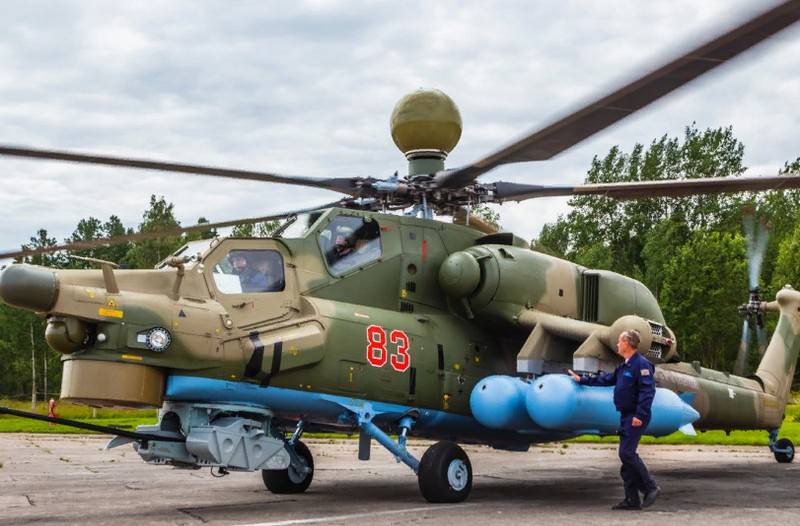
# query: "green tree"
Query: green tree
{"points": [[43, 240], [87, 230], [781, 210], [117, 252], [553, 239], [205, 234], [265, 229], [158, 217], [787, 270], [659, 248], [702, 284], [487, 214], [610, 232]]}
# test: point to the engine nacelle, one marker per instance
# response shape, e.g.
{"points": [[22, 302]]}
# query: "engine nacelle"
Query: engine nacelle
{"points": [[510, 287]]}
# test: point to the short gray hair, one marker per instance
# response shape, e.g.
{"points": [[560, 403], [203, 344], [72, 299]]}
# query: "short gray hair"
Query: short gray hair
{"points": [[631, 336]]}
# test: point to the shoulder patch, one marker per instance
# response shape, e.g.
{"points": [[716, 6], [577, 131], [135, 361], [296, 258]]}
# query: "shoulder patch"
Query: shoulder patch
{"points": [[645, 372]]}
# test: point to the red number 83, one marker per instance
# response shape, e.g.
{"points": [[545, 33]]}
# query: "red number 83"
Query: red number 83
{"points": [[377, 355]]}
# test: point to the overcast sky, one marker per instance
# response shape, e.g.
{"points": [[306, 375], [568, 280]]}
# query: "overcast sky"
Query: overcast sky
{"points": [[307, 88]]}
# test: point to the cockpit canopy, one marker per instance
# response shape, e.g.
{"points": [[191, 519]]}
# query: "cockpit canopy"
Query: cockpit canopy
{"points": [[250, 270]]}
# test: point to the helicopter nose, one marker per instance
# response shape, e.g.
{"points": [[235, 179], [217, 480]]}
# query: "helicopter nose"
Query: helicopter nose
{"points": [[29, 287]]}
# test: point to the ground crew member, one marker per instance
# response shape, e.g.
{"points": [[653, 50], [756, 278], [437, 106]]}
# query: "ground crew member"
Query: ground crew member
{"points": [[634, 390]]}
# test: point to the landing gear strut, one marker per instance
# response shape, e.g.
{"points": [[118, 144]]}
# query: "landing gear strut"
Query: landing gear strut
{"points": [[444, 473], [783, 449]]}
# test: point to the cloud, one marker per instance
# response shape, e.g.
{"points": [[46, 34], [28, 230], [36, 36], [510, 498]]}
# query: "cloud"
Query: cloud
{"points": [[307, 88]]}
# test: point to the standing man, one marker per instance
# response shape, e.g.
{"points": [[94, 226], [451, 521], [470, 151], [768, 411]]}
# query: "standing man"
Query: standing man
{"points": [[634, 389]]}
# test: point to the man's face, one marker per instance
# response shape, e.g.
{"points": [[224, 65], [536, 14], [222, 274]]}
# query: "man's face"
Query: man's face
{"points": [[239, 262], [340, 243], [622, 346]]}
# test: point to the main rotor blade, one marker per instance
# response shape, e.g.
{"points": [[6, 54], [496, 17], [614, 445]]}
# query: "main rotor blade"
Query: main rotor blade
{"points": [[347, 185], [142, 236], [504, 191], [573, 128]]}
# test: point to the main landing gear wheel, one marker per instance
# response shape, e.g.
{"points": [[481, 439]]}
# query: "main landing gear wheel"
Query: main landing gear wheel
{"points": [[290, 480], [445, 473], [786, 451]]}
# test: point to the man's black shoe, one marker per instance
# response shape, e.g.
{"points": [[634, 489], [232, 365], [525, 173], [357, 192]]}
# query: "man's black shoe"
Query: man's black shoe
{"points": [[626, 505], [650, 497]]}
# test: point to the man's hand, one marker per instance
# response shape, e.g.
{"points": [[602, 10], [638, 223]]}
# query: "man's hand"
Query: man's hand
{"points": [[577, 377], [635, 422]]}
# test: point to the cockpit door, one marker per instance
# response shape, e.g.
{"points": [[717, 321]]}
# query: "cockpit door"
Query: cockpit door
{"points": [[253, 281]]}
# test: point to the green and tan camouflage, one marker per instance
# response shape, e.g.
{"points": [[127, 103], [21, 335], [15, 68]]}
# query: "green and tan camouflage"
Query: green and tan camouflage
{"points": [[471, 305]]}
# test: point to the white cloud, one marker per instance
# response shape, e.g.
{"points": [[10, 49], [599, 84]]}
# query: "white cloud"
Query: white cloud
{"points": [[307, 88]]}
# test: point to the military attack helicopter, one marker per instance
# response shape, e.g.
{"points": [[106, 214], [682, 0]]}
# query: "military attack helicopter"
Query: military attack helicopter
{"points": [[386, 324]]}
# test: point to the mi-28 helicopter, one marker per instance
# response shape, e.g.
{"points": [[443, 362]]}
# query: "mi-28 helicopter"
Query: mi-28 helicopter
{"points": [[387, 324]]}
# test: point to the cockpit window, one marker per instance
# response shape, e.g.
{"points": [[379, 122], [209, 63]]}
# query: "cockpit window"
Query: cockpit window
{"points": [[248, 271], [350, 242]]}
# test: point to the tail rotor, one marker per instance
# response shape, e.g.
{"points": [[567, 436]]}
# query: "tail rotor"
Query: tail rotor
{"points": [[756, 236]]}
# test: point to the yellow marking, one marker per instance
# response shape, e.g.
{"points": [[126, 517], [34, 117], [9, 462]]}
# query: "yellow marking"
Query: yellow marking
{"points": [[217, 331], [175, 324], [477, 359], [110, 313], [90, 293], [404, 293], [293, 351], [456, 367], [445, 401], [350, 375], [132, 357], [111, 303], [233, 377], [308, 386]]}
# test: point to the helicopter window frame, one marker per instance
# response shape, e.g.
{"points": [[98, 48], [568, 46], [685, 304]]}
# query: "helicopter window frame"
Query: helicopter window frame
{"points": [[368, 233], [233, 287]]}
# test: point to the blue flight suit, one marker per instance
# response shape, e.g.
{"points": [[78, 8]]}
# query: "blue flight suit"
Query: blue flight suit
{"points": [[634, 390], [253, 281]]}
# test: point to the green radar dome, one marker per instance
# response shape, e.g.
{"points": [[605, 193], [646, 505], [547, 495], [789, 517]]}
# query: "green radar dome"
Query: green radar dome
{"points": [[426, 120]]}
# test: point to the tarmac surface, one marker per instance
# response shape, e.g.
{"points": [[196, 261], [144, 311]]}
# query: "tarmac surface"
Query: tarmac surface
{"points": [[51, 479]]}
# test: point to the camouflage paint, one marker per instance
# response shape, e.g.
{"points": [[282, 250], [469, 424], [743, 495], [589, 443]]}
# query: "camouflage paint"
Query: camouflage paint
{"points": [[315, 335]]}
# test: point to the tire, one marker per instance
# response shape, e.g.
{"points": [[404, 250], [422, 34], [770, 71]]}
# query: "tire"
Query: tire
{"points": [[285, 481], [445, 473], [784, 458]]}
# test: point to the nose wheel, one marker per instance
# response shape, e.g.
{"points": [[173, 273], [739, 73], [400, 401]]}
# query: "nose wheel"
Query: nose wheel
{"points": [[445, 473], [294, 479]]}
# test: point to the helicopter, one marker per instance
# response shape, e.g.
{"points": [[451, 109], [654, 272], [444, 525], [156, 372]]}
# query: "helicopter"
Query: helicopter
{"points": [[394, 325]]}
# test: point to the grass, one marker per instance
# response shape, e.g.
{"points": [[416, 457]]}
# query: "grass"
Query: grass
{"points": [[129, 419], [119, 418]]}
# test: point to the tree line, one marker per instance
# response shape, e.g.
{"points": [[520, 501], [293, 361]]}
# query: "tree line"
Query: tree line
{"points": [[689, 251]]}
